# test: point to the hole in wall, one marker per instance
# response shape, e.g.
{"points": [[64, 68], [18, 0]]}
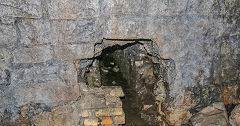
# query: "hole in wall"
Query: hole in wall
{"points": [[130, 66]]}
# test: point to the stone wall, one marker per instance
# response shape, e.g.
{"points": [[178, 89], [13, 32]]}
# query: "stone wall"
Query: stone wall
{"points": [[41, 42], [97, 106]]}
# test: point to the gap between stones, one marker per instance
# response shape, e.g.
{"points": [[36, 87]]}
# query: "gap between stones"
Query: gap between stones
{"points": [[91, 71]]}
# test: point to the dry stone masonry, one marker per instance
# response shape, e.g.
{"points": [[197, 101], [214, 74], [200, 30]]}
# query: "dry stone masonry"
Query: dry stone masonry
{"points": [[186, 62], [131, 67], [92, 109]]}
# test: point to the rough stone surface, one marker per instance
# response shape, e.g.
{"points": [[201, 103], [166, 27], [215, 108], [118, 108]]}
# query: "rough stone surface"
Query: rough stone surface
{"points": [[214, 115], [84, 113], [117, 92], [91, 122], [73, 52], [93, 76], [33, 55], [8, 35], [106, 121], [200, 36], [4, 57], [119, 120], [117, 66], [177, 119], [108, 112], [80, 112], [73, 9], [231, 94], [41, 92], [234, 119], [40, 40]]}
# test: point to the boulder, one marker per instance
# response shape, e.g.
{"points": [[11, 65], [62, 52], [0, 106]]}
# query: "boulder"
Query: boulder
{"points": [[234, 119], [214, 115]]}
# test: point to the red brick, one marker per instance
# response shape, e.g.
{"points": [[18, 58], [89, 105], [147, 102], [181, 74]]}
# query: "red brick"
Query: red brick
{"points": [[106, 121]]}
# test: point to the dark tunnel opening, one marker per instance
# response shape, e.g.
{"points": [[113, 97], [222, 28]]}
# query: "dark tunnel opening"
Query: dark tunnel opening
{"points": [[131, 67]]}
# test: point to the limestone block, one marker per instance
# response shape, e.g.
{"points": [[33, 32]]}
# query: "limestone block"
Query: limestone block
{"points": [[5, 77], [119, 119], [36, 32], [93, 76], [84, 113], [132, 27], [6, 10], [91, 101], [21, 8], [65, 115], [126, 7], [42, 31], [117, 92], [64, 120], [112, 101], [152, 8], [73, 52], [193, 34], [33, 55], [234, 119], [50, 93], [53, 71], [201, 7], [109, 112], [79, 31], [3, 100], [5, 56], [178, 118], [8, 35], [91, 122], [75, 31], [32, 7], [43, 119], [138, 63], [65, 52], [73, 9], [27, 31], [173, 8], [214, 115]]}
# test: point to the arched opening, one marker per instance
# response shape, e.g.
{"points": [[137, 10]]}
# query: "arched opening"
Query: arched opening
{"points": [[130, 66]]}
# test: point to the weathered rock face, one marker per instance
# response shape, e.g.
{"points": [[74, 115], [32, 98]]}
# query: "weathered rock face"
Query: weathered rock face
{"points": [[90, 109], [44, 44], [235, 116], [214, 115], [231, 94]]}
